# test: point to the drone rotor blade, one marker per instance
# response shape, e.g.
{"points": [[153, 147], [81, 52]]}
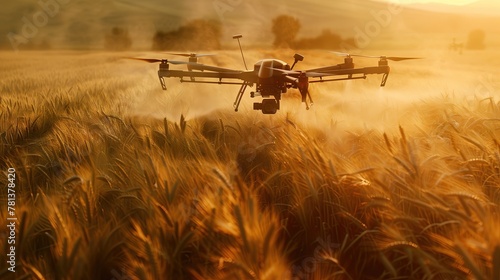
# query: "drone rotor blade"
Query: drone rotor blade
{"points": [[191, 54], [205, 54], [148, 60], [155, 60], [366, 56], [353, 55], [315, 74], [340, 53], [180, 54], [179, 62], [290, 72], [393, 58]]}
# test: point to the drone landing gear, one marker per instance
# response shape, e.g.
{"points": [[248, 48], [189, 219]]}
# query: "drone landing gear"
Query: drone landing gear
{"points": [[384, 79], [236, 104], [162, 82], [305, 93]]}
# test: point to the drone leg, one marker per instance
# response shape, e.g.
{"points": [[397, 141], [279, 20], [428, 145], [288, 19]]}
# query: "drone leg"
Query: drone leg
{"points": [[236, 104], [304, 93], [162, 82], [384, 79], [310, 99], [190, 69]]}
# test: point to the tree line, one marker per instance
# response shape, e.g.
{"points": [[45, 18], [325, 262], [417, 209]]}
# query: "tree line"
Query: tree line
{"points": [[206, 34]]}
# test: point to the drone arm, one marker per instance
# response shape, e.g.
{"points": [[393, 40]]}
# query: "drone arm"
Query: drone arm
{"points": [[245, 77], [338, 79], [195, 74], [327, 68], [356, 71], [364, 70], [382, 69], [377, 70], [203, 67]]}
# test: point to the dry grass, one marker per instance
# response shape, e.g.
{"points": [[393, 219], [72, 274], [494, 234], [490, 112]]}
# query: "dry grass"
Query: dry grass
{"points": [[104, 192]]}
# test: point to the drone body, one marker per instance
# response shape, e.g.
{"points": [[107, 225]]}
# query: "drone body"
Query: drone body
{"points": [[272, 77], [269, 81]]}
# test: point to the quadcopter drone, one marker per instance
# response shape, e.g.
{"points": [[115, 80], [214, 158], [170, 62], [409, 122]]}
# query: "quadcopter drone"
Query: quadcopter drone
{"points": [[272, 77]]}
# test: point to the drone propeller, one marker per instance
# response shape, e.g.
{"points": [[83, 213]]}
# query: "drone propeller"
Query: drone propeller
{"points": [[153, 60], [148, 60], [191, 54], [340, 53], [393, 58]]}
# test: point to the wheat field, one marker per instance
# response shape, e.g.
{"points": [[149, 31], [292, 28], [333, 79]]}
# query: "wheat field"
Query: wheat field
{"points": [[117, 179]]}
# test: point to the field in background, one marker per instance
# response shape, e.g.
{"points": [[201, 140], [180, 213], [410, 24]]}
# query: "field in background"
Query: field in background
{"points": [[118, 179]]}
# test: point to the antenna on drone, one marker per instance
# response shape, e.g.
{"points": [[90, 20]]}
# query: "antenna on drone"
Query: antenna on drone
{"points": [[237, 37]]}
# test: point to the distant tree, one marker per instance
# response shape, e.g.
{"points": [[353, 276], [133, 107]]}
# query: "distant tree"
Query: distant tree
{"points": [[202, 34], [326, 40], [161, 40], [285, 28], [475, 40], [194, 35], [118, 40]]}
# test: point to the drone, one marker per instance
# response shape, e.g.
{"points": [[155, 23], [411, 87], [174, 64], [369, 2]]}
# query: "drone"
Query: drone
{"points": [[272, 77]]}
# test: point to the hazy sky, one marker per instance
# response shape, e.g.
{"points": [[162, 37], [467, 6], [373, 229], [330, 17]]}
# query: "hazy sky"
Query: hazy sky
{"points": [[85, 22], [449, 2], [489, 7]]}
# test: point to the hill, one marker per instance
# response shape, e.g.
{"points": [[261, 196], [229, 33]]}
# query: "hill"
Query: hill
{"points": [[83, 24]]}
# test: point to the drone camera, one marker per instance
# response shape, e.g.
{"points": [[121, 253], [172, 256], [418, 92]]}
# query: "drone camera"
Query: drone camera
{"points": [[268, 106]]}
